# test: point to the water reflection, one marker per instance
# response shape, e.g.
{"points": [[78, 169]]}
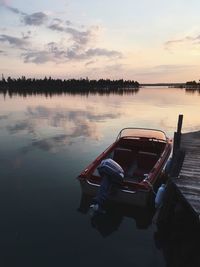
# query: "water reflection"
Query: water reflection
{"points": [[192, 91], [109, 222], [52, 129], [4, 117], [39, 194], [55, 92], [21, 126], [178, 241]]}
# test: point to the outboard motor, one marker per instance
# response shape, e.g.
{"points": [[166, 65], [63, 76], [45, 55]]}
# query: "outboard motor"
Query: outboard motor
{"points": [[112, 170], [111, 173]]}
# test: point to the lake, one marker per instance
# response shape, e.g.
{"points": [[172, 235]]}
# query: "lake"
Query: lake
{"points": [[45, 142]]}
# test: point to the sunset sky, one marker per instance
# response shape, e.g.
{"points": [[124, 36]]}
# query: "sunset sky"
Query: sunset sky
{"points": [[147, 41]]}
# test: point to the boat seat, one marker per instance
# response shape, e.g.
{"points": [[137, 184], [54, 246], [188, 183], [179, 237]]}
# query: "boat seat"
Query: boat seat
{"points": [[146, 160], [124, 157]]}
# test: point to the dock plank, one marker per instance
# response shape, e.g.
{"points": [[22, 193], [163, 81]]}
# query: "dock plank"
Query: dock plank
{"points": [[188, 182]]}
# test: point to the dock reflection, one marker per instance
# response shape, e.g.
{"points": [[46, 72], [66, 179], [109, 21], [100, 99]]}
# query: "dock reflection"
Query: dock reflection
{"points": [[179, 238]]}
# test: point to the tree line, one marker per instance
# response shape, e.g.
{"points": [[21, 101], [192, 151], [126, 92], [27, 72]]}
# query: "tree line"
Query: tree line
{"points": [[188, 85], [192, 84], [25, 85]]}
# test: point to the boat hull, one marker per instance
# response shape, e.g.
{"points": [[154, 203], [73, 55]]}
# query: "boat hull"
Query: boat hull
{"points": [[139, 198]]}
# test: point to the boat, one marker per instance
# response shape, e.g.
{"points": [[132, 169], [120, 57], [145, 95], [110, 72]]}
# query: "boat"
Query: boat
{"points": [[143, 154]]}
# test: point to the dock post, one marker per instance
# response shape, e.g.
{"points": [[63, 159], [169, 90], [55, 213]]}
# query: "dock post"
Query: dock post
{"points": [[179, 128], [177, 135], [178, 153]]}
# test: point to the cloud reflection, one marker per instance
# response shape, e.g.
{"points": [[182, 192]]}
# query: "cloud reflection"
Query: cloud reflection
{"points": [[52, 129], [20, 127], [4, 117], [51, 144]]}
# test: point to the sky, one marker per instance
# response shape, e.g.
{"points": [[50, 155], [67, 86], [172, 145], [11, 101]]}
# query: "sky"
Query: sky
{"points": [[150, 41]]}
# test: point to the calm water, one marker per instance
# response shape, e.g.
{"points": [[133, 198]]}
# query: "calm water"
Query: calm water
{"points": [[44, 145]]}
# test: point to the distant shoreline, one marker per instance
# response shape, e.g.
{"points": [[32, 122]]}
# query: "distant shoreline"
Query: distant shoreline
{"points": [[30, 86], [50, 86], [173, 85]]}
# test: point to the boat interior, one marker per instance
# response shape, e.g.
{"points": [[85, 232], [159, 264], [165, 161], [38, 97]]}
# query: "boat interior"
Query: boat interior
{"points": [[137, 156]]}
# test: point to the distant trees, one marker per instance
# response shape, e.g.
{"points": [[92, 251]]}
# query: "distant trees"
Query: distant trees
{"points": [[50, 86], [193, 84]]}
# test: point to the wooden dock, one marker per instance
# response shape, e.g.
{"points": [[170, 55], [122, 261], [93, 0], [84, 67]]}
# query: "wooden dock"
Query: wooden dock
{"points": [[183, 180], [188, 181]]}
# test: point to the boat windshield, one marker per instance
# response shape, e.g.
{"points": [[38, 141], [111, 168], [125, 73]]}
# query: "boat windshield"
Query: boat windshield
{"points": [[142, 132]]}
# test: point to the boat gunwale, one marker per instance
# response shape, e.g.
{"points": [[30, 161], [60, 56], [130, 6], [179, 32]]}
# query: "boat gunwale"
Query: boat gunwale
{"points": [[140, 136]]}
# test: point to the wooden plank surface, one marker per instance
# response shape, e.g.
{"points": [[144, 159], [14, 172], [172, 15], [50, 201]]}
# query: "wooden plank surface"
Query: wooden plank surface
{"points": [[188, 182]]}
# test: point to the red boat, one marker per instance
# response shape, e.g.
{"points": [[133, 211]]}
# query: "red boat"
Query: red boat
{"points": [[143, 154]]}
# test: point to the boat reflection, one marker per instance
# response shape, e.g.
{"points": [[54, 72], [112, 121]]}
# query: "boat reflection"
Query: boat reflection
{"points": [[109, 222]]}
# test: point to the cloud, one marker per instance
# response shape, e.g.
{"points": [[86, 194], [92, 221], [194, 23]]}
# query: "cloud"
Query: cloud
{"points": [[68, 22], [26, 35], [15, 10], [3, 2], [60, 55], [57, 25], [52, 52], [91, 62], [80, 48], [93, 52], [172, 67], [164, 69], [37, 19], [38, 57], [80, 44], [80, 38], [14, 41], [171, 42], [10, 8], [186, 40]]}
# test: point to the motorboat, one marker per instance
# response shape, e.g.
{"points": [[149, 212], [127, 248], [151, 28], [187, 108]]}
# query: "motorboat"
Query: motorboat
{"points": [[143, 154]]}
